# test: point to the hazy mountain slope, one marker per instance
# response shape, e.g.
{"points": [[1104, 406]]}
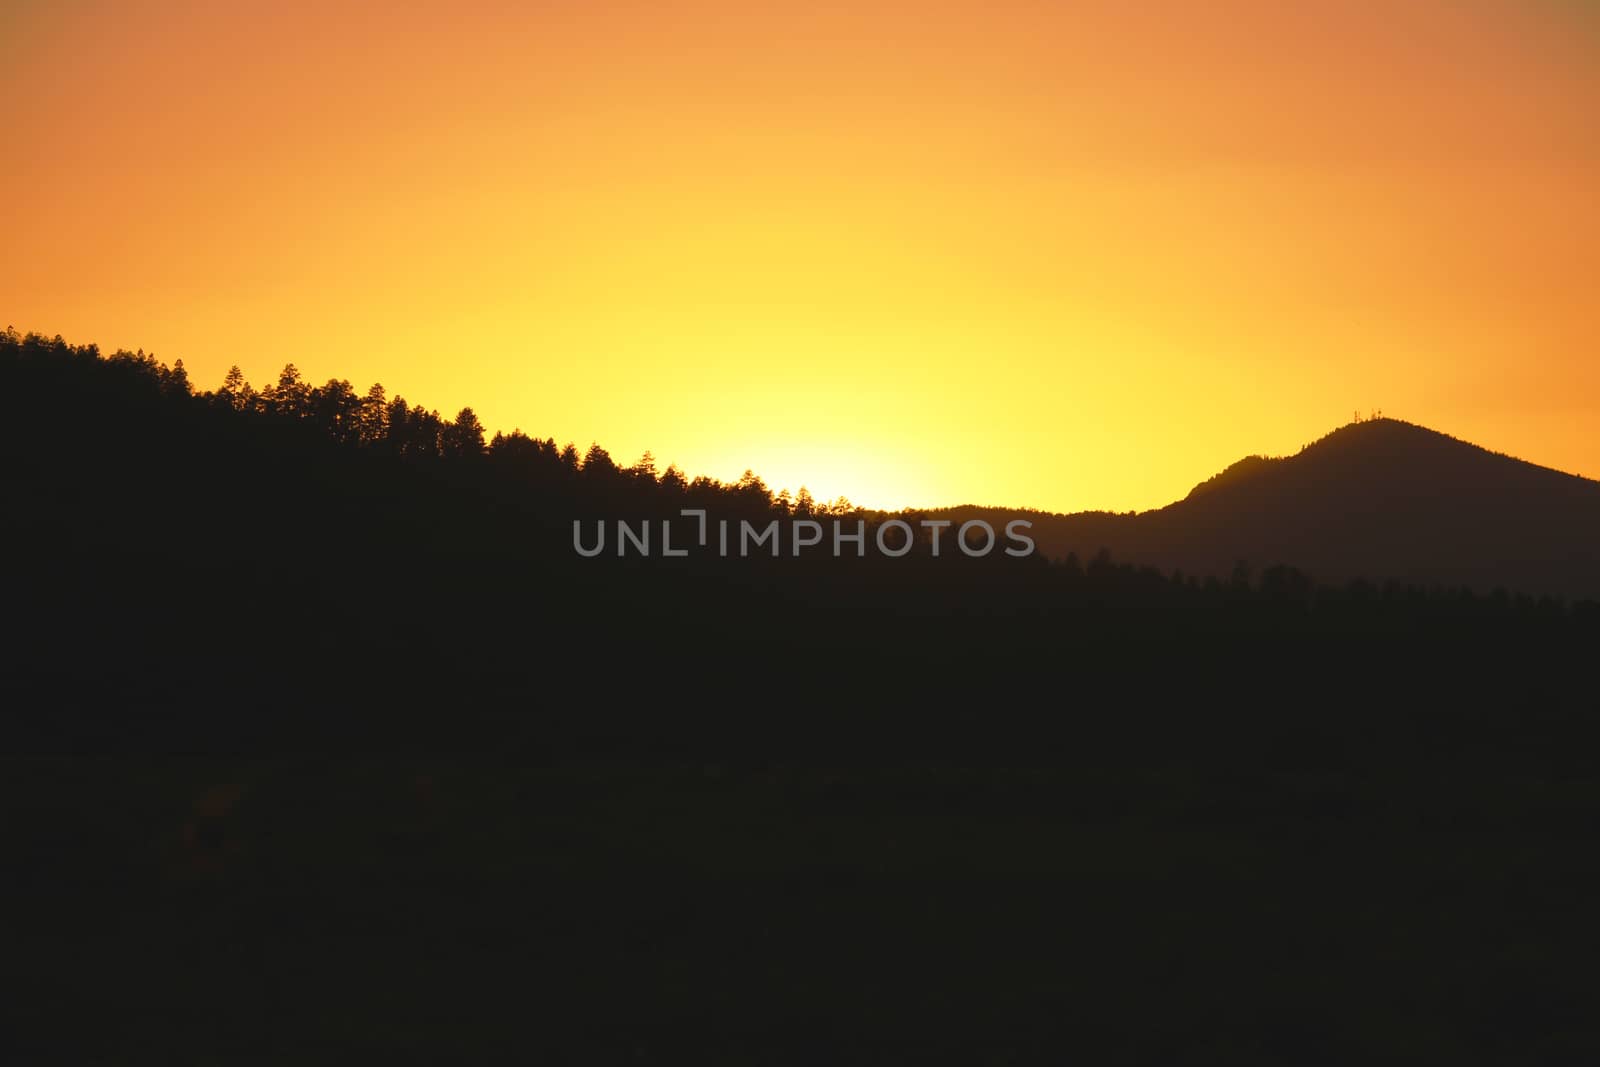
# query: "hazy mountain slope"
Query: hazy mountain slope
{"points": [[1379, 500]]}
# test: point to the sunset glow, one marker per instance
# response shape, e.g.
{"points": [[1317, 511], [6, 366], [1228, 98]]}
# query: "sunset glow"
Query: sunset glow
{"points": [[1053, 255]]}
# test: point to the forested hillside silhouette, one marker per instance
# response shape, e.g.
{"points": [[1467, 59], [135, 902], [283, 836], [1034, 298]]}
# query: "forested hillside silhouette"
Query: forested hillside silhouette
{"points": [[301, 522], [320, 736]]}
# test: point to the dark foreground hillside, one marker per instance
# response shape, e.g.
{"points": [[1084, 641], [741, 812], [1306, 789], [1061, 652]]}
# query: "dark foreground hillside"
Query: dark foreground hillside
{"points": [[321, 748]]}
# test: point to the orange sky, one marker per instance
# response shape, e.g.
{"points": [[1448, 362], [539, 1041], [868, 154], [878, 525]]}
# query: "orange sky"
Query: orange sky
{"points": [[1062, 255]]}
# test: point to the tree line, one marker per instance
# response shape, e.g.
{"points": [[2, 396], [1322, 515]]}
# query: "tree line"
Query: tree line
{"points": [[374, 421]]}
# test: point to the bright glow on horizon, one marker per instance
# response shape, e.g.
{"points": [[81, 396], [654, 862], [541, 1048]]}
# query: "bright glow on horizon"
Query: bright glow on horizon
{"points": [[1062, 256]]}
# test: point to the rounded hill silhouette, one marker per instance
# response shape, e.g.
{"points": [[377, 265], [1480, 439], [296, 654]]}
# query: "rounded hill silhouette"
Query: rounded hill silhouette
{"points": [[1377, 500]]}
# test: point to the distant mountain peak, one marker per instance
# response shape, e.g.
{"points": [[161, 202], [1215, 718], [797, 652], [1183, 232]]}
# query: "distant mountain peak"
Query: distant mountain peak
{"points": [[1383, 452], [1378, 499]]}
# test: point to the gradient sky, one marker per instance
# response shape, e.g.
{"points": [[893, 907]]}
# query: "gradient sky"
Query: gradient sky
{"points": [[1060, 255]]}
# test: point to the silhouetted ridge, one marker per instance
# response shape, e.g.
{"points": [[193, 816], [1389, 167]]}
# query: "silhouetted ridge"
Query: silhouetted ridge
{"points": [[1377, 500], [1241, 471], [354, 475]]}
